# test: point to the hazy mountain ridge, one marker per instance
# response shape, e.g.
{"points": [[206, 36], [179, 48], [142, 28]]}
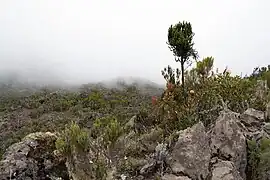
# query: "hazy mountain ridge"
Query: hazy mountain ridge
{"points": [[141, 84], [11, 83]]}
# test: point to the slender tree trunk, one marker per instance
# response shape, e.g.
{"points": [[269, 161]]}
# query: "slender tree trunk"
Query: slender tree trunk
{"points": [[183, 73], [183, 77]]}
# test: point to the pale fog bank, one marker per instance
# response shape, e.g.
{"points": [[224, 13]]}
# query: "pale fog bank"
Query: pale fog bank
{"points": [[21, 78], [75, 42]]}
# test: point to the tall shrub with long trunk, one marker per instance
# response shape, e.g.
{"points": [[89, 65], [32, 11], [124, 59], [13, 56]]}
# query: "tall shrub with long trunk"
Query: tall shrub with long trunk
{"points": [[180, 41]]}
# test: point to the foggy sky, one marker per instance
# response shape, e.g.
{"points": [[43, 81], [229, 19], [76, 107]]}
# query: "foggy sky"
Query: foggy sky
{"points": [[87, 40]]}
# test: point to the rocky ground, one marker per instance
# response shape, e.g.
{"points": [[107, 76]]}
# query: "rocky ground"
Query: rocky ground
{"points": [[98, 132], [220, 153], [28, 110], [23, 111]]}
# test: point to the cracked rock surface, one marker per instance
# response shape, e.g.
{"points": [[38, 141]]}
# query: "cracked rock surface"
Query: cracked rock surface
{"points": [[219, 153], [33, 158], [191, 154]]}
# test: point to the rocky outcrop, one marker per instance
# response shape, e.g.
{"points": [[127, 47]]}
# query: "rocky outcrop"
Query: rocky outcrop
{"points": [[191, 154], [194, 153], [253, 120], [33, 158], [225, 170], [220, 153], [228, 142], [174, 177]]}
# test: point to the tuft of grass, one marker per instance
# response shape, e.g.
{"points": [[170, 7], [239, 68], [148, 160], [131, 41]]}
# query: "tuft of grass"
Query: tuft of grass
{"points": [[73, 139]]}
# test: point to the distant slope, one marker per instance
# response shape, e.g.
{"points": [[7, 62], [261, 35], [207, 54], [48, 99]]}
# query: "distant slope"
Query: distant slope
{"points": [[142, 84], [12, 84]]}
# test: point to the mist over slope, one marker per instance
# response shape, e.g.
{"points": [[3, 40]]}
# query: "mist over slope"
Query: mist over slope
{"points": [[11, 82], [138, 82]]}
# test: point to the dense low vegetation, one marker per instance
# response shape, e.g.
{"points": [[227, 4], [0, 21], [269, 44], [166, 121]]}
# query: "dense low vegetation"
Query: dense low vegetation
{"points": [[47, 110]]}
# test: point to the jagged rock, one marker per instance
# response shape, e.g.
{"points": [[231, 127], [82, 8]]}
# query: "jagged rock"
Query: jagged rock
{"points": [[258, 135], [228, 141], [161, 152], [173, 177], [128, 145], [157, 160], [146, 169], [253, 121], [150, 140], [266, 128], [259, 115], [225, 170], [219, 154], [191, 154], [33, 158], [131, 123], [131, 144]]}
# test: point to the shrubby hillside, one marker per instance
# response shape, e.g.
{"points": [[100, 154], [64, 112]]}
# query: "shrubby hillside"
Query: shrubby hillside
{"points": [[196, 127], [26, 109]]}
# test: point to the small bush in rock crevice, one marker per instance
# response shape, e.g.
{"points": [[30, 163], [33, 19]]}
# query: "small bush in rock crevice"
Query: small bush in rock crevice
{"points": [[258, 159]]}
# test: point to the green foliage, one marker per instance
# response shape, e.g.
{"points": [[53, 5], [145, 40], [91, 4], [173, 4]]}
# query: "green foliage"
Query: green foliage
{"points": [[61, 105], [253, 159], [258, 159], [232, 89], [262, 73], [113, 131], [180, 41], [170, 75], [49, 110], [107, 127], [204, 67], [100, 169], [77, 110], [211, 92], [143, 118], [73, 139], [95, 100]]}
